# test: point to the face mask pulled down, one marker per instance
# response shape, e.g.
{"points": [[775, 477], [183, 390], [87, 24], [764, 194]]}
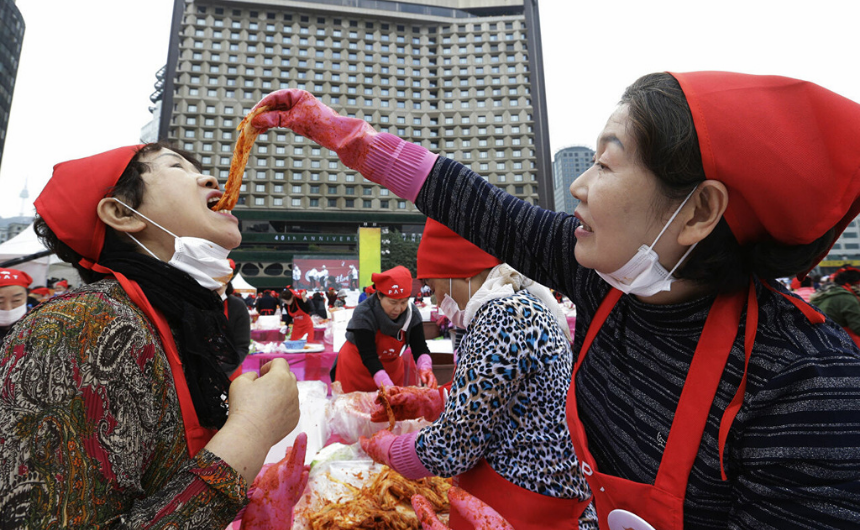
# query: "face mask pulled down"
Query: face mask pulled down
{"points": [[643, 275], [449, 307], [203, 260], [10, 316]]}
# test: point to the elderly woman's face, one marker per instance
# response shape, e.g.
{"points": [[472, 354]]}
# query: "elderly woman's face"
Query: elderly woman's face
{"points": [[12, 296], [393, 307], [178, 198], [617, 204]]}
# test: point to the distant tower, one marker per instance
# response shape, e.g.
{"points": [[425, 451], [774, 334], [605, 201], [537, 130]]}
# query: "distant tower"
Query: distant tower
{"points": [[569, 163], [24, 196], [11, 37]]}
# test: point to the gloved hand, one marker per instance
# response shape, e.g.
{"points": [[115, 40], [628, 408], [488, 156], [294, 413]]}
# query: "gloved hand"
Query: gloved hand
{"points": [[382, 379], [409, 403], [471, 508], [425, 371], [383, 158], [277, 490], [300, 111], [378, 446]]}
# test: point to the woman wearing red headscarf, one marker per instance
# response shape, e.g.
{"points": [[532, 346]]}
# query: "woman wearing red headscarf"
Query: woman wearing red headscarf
{"points": [[379, 331], [841, 302], [502, 433], [297, 306], [704, 394], [113, 395], [13, 298]]}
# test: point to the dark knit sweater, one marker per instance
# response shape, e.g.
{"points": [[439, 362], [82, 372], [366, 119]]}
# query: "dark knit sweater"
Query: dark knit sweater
{"points": [[793, 452]]}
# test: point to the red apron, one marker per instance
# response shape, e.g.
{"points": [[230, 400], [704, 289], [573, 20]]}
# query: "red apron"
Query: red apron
{"points": [[626, 504], [524, 509], [302, 323], [196, 435], [352, 373]]}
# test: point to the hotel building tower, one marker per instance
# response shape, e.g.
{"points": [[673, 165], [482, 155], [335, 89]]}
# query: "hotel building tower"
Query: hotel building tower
{"points": [[463, 78]]}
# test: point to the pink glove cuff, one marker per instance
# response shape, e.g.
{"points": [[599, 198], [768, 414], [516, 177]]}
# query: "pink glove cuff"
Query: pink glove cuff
{"points": [[404, 458], [381, 378], [400, 166], [424, 362]]}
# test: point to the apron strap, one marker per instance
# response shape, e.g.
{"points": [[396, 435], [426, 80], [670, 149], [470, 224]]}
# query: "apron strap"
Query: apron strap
{"points": [[697, 394]]}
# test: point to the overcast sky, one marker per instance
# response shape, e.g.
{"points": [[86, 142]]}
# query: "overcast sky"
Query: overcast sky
{"points": [[88, 66]]}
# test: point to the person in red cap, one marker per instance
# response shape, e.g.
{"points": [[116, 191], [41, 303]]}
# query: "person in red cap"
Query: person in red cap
{"points": [[380, 329], [704, 394], [114, 395], [502, 433], [298, 310], [13, 298]]}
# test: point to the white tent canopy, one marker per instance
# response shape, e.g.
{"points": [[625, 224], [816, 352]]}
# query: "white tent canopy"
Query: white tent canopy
{"points": [[27, 243], [241, 286]]}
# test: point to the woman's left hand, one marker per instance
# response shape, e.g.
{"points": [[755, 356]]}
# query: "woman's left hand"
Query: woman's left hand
{"points": [[277, 490], [378, 446]]}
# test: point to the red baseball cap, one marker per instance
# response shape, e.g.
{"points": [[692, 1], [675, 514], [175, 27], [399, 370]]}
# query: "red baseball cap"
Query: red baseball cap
{"points": [[395, 282], [442, 253], [787, 150], [69, 200], [14, 277]]}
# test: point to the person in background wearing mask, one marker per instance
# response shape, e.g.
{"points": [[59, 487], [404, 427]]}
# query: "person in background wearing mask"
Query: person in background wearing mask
{"points": [[131, 427], [704, 394], [841, 302], [61, 287], [502, 432], [13, 298], [378, 332]]}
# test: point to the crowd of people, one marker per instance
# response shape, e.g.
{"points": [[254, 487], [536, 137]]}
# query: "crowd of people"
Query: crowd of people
{"points": [[696, 391]]}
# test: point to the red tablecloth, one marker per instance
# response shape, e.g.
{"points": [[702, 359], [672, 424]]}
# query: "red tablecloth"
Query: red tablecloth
{"points": [[306, 366], [267, 335]]}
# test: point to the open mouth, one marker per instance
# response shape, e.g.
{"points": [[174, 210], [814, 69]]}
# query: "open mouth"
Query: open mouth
{"points": [[584, 226]]}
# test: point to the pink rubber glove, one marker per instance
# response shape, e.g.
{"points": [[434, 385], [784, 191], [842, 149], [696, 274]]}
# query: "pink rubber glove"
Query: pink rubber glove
{"points": [[277, 490], [379, 446], [381, 379], [425, 371], [300, 111], [471, 508], [409, 403], [383, 158]]}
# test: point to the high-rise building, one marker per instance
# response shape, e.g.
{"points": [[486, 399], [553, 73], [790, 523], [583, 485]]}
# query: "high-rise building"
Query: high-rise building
{"points": [[568, 164], [456, 76], [11, 37]]}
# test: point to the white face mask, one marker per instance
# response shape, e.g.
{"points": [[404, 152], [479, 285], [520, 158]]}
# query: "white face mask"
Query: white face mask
{"points": [[643, 275], [203, 260], [451, 310], [10, 316]]}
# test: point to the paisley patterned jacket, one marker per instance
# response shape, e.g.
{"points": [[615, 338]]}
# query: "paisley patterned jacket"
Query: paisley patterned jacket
{"points": [[91, 432]]}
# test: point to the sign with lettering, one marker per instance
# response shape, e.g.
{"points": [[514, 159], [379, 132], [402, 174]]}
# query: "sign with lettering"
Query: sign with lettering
{"points": [[298, 238]]}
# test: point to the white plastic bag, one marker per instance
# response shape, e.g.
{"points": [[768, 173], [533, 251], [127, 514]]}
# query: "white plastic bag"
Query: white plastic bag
{"points": [[348, 416]]}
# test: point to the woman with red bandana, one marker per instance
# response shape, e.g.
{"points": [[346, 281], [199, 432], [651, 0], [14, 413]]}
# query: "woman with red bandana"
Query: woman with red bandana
{"points": [[114, 396], [297, 306], [13, 298], [379, 331], [704, 394], [501, 432]]}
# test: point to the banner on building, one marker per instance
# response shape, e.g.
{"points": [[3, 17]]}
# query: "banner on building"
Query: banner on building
{"points": [[369, 257], [318, 272]]}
